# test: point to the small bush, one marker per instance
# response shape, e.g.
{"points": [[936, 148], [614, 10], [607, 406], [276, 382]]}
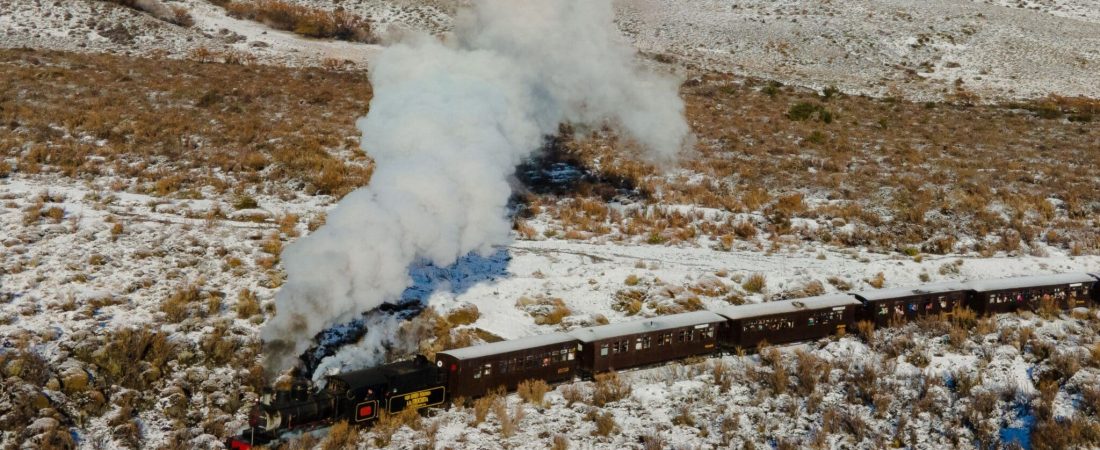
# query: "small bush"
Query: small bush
{"points": [[340, 436], [180, 303], [559, 442], [609, 388], [533, 391], [804, 111], [571, 393], [632, 280], [481, 408], [247, 304], [246, 202], [508, 422], [866, 330], [604, 421], [755, 283], [878, 281]]}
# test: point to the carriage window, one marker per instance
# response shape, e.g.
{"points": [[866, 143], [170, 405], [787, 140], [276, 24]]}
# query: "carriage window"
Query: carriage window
{"points": [[710, 331], [603, 349], [882, 310], [680, 336], [647, 342], [638, 344], [571, 355]]}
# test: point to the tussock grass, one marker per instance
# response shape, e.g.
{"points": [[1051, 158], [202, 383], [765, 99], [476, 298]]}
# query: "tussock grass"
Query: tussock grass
{"points": [[168, 123], [306, 21]]}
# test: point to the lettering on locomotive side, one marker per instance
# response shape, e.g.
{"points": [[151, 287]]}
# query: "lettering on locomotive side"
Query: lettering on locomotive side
{"points": [[417, 399]]}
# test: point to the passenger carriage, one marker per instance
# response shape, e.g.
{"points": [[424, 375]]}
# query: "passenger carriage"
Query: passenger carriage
{"points": [[1068, 290], [647, 341], [475, 371], [885, 306], [788, 320]]}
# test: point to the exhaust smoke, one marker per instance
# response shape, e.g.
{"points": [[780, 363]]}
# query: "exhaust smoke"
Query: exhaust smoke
{"points": [[447, 125]]}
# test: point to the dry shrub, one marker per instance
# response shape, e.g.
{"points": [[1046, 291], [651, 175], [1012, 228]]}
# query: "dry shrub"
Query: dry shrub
{"points": [[604, 421], [545, 310], [463, 315], [559, 442], [481, 408], [1077, 431], [965, 318], [958, 337], [744, 230], [779, 380], [610, 387], [629, 301], [755, 283], [809, 370], [632, 280], [247, 304], [878, 281], [288, 224], [340, 436], [683, 416], [571, 393], [1065, 364], [180, 303], [303, 20], [525, 230], [866, 330], [811, 288], [720, 371], [508, 422], [533, 391], [653, 441]]}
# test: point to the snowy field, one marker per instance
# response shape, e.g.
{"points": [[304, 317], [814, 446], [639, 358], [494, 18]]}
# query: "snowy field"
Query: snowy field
{"points": [[72, 277], [1000, 50]]}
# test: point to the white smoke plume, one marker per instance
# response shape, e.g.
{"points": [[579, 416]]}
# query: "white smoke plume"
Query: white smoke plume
{"points": [[447, 125]]}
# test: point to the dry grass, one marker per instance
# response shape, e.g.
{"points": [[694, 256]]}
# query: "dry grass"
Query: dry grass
{"points": [[340, 436], [168, 124], [247, 304], [756, 282], [533, 391], [571, 393], [181, 303], [609, 388], [604, 421], [946, 170], [508, 422], [388, 424], [545, 310], [303, 20]]}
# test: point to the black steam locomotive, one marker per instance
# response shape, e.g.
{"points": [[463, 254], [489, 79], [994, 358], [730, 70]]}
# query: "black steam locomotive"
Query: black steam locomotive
{"points": [[360, 396]]}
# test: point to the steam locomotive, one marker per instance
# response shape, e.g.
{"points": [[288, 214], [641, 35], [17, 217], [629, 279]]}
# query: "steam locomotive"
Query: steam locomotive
{"points": [[361, 396]]}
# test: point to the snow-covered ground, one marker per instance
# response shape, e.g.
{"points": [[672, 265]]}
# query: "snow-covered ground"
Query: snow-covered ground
{"points": [[70, 274], [999, 49]]}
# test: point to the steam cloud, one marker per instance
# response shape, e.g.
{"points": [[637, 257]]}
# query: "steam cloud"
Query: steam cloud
{"points": [[447, 126]]}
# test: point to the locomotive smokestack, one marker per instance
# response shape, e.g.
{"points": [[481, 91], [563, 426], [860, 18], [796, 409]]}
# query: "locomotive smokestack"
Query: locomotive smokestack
{"points": [[447, 125]]}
